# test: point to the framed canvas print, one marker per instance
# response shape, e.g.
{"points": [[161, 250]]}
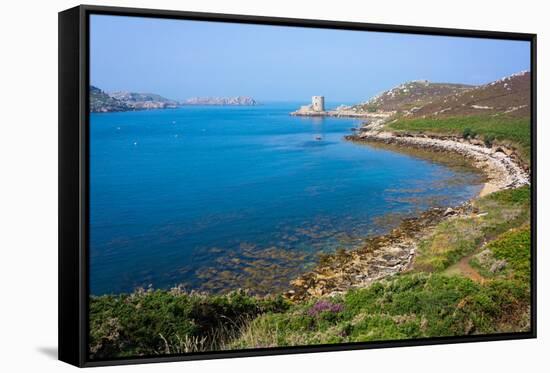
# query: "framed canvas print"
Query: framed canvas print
{"points": [[238, 186]]}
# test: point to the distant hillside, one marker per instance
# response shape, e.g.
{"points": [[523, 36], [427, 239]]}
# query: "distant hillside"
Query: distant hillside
{"points": [[144, 101], [510, 95], [410, 96], [101, 102], [495, 113], [235, 101]]}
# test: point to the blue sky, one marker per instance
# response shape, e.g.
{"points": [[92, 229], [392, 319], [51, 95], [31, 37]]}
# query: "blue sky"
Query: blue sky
{"points": [[180, 59]]}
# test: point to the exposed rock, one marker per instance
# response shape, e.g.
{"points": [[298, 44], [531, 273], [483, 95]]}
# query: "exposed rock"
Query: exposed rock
{"points": [[487, 260], [449, 211], [484, 257], [380, 257], [498, 266]]}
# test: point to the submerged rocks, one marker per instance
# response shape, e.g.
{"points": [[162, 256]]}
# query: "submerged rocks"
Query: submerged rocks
{"points": [[379, 257]]}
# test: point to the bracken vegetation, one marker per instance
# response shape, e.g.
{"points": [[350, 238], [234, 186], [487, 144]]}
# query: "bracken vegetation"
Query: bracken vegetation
{"points": [[152, 322]]}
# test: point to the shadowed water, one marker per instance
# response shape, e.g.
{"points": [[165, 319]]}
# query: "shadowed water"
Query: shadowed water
{"points": [[216, 198]]}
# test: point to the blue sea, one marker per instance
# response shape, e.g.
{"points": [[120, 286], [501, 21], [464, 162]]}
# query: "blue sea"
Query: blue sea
{"points": [[219, 198]]}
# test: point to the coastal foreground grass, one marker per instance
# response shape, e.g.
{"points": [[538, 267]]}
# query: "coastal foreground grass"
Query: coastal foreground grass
{"points": [[425, 302]]}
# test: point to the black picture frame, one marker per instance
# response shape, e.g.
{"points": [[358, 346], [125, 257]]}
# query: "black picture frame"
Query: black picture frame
{"points": [[74, 187]]}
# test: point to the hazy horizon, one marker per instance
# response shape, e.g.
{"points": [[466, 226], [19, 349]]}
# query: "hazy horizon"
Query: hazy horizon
{"points": [[180, 59]]}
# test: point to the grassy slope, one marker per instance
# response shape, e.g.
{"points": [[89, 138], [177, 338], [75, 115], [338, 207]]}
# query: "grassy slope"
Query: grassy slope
{"points": [[454, 239], [513, 247], [503, 128], [409, 306], [420, 304]]}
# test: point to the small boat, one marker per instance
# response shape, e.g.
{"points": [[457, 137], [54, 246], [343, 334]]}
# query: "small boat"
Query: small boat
{"points": [[318, 137]]}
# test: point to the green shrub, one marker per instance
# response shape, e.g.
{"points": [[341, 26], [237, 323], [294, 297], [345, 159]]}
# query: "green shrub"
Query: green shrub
{"points": [[468, 133], [488, 140], [514, 247], [153, 322]]}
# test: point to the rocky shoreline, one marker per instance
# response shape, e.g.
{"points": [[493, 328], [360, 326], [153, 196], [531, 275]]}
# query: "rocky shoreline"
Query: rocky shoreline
{"points": [[502, 165], [379, 257], [392, 253], [337, 113]]}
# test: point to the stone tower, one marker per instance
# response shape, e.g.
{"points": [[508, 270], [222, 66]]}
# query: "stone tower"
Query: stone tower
{"points": [[318, 103]]}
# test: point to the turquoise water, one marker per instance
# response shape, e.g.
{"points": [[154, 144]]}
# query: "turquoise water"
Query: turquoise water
{"points": [[216, 198]]}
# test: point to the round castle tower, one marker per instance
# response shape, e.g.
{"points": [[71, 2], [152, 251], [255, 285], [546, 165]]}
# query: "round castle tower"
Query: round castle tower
{"points": [[318, 103]]}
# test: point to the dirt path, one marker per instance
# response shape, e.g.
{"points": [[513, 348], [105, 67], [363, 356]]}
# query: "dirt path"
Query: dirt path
{"points": [[464, 268]]}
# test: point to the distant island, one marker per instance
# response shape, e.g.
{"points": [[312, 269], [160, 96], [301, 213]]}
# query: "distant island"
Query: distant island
{"points": [[105, 102], [234, 101]]}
